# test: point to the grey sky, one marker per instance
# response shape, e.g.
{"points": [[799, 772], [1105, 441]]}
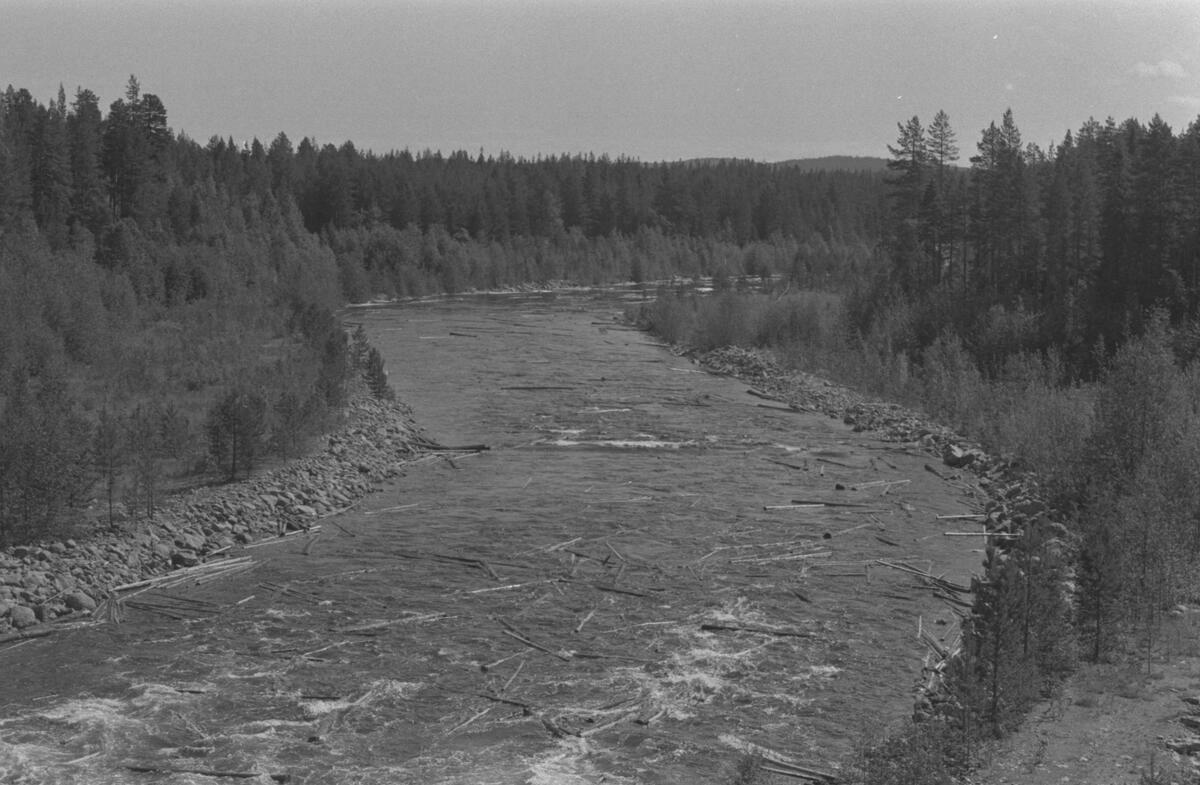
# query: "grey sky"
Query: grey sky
{"points": [[652, 80]]}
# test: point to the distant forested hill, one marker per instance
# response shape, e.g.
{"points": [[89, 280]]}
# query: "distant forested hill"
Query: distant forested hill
{"points": [[838, 163]]}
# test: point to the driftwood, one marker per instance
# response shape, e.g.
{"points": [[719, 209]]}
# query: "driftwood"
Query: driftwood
{"points": [[790, 409], [468, 721], [862, 486], [184, 574], [713, 627], [153, 768], [798, 773], [537, 387], [586, 619], [934, 580], [283, 537], [793, 506], [827, 504], [513, 586], [964, 517], [516, 634], [513, 677], [982, 534], [22, 635]]}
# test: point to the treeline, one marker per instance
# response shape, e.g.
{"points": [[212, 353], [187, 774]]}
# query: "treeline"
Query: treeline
{"points": [[1029, 249], [144, 311], [167, 304]]}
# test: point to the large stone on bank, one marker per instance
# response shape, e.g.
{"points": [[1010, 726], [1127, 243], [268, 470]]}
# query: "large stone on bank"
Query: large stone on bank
{"points": [[79, 601], [185, 558], [190, 540], [956, 457], [22, 616]]}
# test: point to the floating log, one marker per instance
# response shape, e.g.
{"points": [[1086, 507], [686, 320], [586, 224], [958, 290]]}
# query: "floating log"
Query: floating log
{"points": [[862, 486], [827, 504], [468, 721], [793, 506], [21, 635], [586, 619], [538, 387], [154, 768], [512, 586], [615, 590], [713, 627], [789, 409], [510, 632]]}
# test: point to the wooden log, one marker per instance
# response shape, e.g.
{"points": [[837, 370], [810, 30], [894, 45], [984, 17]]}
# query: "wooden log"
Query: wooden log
{"points": [[40, 631], [468, 721], [562, 655], [586, 619], [509, 586], [155, 768], [795, 774], [513, 677], [506, 701], [789, 409], [615, 590], [807, 506], [862, 486], [537, 387], [827, 504], [714, 627]]}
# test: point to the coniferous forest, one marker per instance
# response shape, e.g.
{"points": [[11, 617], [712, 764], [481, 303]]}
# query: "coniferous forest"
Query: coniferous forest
{"points": [[154, 290]]}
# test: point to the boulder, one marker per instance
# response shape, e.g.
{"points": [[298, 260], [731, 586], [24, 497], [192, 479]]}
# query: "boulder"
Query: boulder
{"points": [[79, 601], [956, 457], [185, 558], [22, 616]]}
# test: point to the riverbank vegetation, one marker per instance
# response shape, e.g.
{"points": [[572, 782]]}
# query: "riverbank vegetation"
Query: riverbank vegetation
{"points": [[1045, 303]]}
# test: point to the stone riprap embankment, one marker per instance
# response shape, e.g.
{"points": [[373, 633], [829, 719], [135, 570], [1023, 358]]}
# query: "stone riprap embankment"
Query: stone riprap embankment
{"points": [[44, 582], [1013, 503]]}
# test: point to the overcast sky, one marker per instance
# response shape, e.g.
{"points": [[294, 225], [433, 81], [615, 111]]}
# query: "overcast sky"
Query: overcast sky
{"points": [[651, 80]]}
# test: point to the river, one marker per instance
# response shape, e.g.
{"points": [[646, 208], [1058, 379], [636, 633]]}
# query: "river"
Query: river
{"points": [[621, 589]]}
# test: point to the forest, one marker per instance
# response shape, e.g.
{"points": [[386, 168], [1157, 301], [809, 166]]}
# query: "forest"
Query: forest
{"points": [[159, 296], [1047, 304]]}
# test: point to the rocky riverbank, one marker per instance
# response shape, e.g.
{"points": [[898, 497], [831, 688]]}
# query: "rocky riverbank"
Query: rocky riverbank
{"points": [[49, 581], [1012, 504]]}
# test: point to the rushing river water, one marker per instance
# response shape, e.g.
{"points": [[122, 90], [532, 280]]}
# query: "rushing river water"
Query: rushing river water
{"points": [[620, 590]]}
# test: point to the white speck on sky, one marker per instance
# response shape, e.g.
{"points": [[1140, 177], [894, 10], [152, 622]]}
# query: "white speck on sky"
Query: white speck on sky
{"points": [[652, 79]]}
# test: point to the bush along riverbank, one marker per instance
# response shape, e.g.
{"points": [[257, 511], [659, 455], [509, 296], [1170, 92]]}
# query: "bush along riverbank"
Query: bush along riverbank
{"points": [[1017, 636], [62, 579]]}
